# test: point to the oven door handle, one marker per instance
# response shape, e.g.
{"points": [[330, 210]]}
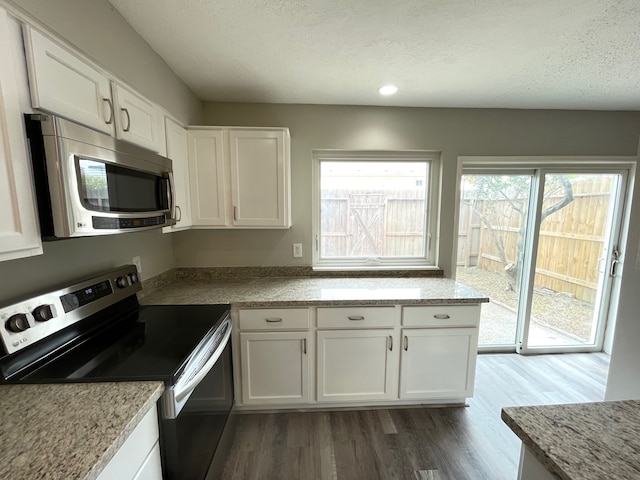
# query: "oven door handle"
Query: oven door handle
{"points": [[181, 392]]}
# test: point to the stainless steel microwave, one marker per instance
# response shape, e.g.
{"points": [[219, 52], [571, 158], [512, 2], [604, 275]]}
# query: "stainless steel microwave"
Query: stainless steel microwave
{"points": [[88, 183]]}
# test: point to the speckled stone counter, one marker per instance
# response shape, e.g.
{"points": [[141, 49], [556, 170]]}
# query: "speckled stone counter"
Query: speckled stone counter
{"points": [[68, 431], [309, 291], [585, 441]]}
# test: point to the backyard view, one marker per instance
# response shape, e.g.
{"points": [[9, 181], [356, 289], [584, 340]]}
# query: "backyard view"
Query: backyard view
{"points": [[574, 225]]}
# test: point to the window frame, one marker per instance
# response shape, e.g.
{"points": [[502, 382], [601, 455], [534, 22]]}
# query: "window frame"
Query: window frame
{"points": [[432, 223]]}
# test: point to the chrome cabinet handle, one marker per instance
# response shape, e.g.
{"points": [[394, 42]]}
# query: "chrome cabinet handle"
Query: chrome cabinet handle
{"points": [[406, 343], [235, 212], [126, 129], [390, 343], [441, 316], [273, 320], [110, 104], [304, 346], [355, 317], [178, 213]]}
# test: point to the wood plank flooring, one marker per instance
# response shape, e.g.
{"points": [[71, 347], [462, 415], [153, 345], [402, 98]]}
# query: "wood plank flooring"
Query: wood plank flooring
{"points": [[456, 443]]}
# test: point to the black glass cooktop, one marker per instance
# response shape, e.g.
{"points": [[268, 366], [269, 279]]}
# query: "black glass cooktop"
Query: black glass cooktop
{"points": [[150, 343]]}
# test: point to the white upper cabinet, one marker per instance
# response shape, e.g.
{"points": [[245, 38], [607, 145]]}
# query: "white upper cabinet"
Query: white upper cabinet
{"points": [[240, 177], [178, 152], [260, 177], [19, 234], [137, 119], [64, 83], [207, 178]]}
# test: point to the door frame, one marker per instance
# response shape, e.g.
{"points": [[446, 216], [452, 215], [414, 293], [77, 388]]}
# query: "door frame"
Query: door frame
{"points": [[539, 166]]}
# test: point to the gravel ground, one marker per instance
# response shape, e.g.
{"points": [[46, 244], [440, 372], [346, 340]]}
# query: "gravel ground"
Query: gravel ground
{"points": [[550, 309]]}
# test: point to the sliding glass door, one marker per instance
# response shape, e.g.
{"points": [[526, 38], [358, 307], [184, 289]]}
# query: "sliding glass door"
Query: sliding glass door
{"points": [[542, 244], [491, 235]]}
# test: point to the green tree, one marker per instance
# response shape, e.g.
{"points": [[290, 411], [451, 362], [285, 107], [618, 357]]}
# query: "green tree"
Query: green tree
{"points": [[493, 192]]}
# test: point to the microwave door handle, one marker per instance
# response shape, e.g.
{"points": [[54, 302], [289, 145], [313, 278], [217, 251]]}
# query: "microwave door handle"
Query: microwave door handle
{"points": [[171, 195]]}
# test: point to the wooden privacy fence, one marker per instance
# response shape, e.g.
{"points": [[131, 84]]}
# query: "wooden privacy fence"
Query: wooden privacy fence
{"points": [[372, 223], [570, 244]]}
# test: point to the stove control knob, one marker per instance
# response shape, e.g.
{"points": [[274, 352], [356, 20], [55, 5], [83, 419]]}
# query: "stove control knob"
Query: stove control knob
{"points": [[44, 313], [133, 277], [17, 323], [122, 282]]}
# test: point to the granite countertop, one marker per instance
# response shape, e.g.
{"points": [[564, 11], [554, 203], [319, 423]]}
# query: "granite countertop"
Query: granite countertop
{"points": [[584, 441], [309, 291], [68, 431]]}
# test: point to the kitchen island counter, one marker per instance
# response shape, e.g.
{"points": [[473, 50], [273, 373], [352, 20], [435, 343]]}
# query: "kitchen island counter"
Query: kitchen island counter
{"points": [[310, 291], [70, 430], [585, 441]]}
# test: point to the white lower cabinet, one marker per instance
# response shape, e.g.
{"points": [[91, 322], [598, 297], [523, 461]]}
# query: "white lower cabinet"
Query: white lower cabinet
{"points": [[356, 365], [438, 363], [275, 367], [360, 355], [274, 356], [139, 456]]}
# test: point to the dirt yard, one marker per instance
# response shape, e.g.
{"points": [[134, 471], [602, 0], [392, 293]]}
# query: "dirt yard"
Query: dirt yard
{"points": [[551, 309]]}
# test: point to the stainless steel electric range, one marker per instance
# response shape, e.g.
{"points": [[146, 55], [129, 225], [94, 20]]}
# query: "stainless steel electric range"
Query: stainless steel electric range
{"points": [[95, 330]]}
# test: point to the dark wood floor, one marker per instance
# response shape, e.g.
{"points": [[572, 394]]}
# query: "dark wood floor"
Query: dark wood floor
{"points": [[416, 443]]}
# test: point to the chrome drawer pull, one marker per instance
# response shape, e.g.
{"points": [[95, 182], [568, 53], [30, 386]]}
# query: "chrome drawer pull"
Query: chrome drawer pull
{"points": [[304, 346], [441, 316], [390, 343], [355, 317], [273, 320], [406, 343]]}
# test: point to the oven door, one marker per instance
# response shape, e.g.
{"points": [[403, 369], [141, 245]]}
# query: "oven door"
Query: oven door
{"points": [[196, 410]]}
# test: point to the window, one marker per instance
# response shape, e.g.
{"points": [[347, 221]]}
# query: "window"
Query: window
{"points": [[375, 209]]}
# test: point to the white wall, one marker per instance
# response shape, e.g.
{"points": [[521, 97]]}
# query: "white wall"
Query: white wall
{"points": [[94, 27], [453, 131]]}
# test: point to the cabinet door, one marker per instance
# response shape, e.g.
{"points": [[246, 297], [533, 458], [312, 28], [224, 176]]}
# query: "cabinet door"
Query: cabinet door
{"points": [[356, 365], [64, 84], [178, 152], [438, 363], [260, 181], [138, 457], [207, 177], [19, 235], [137, 119], [275, 367]]}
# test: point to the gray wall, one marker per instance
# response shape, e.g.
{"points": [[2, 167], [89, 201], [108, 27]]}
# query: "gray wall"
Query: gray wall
{"points": [[623, 381], [453, 131], [94, 27]]}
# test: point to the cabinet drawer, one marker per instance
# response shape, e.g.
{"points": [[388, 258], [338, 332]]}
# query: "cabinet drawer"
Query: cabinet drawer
{"points": [[441, 316], [356, 317], [274, 319]]}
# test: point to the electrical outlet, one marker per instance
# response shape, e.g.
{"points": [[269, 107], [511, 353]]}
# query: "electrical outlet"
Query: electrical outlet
{"points": [[297, 250], [138, 263]]}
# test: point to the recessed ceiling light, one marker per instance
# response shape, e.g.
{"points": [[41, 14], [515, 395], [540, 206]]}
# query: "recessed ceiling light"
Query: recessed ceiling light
{"points": [[387, 89]]}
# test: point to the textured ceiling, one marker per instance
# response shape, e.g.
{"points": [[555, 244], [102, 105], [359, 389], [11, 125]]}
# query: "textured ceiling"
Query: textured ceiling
{"points": [[565, 54]]}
